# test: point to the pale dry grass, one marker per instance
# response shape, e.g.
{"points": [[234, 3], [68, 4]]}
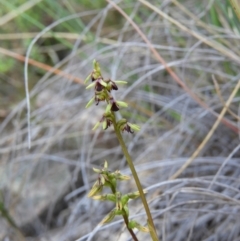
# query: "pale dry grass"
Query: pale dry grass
{"points": [[45, 188]]}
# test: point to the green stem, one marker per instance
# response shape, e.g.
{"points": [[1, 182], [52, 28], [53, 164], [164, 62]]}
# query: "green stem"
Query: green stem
{"points": [[134, 173], [125, 218]]}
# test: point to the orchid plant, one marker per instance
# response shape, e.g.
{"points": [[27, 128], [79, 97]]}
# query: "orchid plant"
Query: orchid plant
{"points": [[107, 179]]}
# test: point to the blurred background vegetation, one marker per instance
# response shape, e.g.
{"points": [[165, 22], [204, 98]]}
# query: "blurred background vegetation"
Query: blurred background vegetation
{"points": [[43, 190]]}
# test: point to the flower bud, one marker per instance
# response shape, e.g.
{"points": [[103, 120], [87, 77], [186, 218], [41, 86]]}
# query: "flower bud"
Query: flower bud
{"points": [[90, 102], [90, 85], [120, 82], [97, 187], [104, 124], [119, 212], [97, 170], [105, 164], [122, 104], [100, 197], [124, 200], [134, 127], [120, 176], [109, 217], [136, 194], [133, 224], [111, 85], [101, 81], [96, 126], [102, 179], [87, 79], [96, 66], [119, 205], [121, 123], [126, 209]]}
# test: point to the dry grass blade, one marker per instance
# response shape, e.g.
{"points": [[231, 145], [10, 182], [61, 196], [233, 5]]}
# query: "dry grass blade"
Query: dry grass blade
{"points": [[208, 136], [45, 188], [162, 61], [41, 65], [236, 6], [215, 45], [202, 24], [221, 98]]}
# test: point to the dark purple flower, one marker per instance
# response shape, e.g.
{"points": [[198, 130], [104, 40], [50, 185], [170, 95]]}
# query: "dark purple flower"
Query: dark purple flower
{"points": [[100, 84], [111, 85], [107, 122], [127, 128], [114, 106]]}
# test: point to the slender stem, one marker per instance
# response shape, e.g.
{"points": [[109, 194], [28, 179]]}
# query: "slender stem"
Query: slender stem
{"points": [[125, 217], [129, 229], [132, 168]]}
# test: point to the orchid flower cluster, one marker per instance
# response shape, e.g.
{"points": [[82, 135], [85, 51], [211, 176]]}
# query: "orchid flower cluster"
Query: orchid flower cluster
{"points": [[109, 179], [102, 93], [103, 88]]}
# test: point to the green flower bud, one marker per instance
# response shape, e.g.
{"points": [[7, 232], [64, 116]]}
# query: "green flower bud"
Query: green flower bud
{"points": [[122, 104], [136, 194], [103, 83], [104, 124], [124, 199], [103, 179], [97, 187], [96, 66], [119, 212], [121, 123], [105, 165], [108, 109], [126, 209], [111, 197], [119, 205], [134, 127], [109, 217], [120, 82], [87, 79], [105, 197], [133, 224], [90, 102], [97, 170], [100, 197], [90, 86], [96, 126], [121, 177]]}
